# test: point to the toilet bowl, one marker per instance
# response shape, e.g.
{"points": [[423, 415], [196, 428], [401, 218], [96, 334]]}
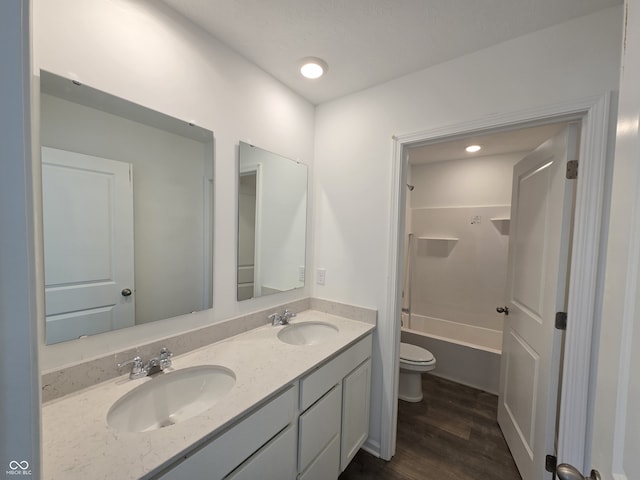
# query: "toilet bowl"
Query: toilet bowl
{"points": [[414, 361]]}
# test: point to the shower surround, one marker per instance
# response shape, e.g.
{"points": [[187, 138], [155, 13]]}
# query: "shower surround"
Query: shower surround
{"points": [[458, 270]]}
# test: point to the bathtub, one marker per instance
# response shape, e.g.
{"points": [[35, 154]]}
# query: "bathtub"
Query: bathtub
{"points": [[464, 353]]}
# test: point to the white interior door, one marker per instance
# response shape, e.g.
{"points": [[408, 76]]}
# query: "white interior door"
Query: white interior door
{"points": [[88, 244], [536, 283]]}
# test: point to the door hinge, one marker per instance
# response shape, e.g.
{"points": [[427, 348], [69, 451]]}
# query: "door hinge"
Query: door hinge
{"points": [[550, 463], [561, 320], [572, 169]]}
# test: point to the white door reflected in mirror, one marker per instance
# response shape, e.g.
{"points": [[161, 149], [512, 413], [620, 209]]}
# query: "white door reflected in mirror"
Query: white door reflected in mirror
{"points": [[88, 248]]}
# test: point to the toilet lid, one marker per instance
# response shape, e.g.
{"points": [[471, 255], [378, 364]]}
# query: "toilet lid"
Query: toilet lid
{"points": [[414, 353]]}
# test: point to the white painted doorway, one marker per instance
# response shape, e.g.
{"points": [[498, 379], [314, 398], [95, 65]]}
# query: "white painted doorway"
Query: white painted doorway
{"points": [[587, 255], [614, 446], [88, 244], [541, 211]]}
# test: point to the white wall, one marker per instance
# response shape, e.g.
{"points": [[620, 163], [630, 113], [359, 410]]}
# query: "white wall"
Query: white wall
{"points": [[283, 218], [144, 52], [464, 280], [483, 180], [354, 149]]}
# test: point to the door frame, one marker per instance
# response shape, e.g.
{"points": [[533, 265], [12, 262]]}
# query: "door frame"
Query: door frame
{"points": [[256, 169], [586, 269], [20, 436]]}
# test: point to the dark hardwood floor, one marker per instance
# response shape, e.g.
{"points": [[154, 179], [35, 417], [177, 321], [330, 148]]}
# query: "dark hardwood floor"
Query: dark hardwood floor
{"points": [[452, 434]]}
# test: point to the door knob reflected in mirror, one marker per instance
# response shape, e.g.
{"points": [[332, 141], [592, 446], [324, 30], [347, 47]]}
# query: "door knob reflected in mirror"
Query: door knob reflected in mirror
{"points": [[126, 292], [504, 310]]}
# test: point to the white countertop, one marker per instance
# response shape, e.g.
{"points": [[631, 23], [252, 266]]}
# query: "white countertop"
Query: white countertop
{"points": [[79, 444]]}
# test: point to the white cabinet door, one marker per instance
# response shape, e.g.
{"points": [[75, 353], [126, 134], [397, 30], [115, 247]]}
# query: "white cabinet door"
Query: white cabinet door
{"points": [[325, 466], [321, 380], [275, 461], [356, 391], [318, 426]]}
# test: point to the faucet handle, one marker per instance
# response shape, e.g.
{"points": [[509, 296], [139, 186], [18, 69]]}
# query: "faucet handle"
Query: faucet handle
{"points": [[288, 314], [136, 369], [165, 358], [276, 319]]}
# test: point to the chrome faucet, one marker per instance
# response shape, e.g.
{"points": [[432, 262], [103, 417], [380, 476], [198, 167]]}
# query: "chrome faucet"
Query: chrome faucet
{"points": [[137, 367], [155, 364], [288, 315], [281, 319]]}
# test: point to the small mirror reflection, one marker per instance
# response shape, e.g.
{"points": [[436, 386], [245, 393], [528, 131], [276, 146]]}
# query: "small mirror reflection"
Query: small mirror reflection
{"points": [[272, 222]]}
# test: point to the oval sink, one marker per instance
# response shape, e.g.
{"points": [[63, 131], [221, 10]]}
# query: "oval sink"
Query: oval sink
{"points": [[308, 333], [171, 398]]}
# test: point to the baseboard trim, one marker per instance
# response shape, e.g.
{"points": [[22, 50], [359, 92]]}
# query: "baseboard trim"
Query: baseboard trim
{"points": [[462, 382], [372, 447]]}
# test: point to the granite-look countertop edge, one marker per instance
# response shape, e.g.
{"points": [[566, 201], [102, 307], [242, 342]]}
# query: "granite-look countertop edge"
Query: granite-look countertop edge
{"points": [[78, 442]]}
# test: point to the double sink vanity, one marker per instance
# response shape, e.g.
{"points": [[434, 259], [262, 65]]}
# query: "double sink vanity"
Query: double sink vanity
{"points": [[245, 398], [276, 402]]}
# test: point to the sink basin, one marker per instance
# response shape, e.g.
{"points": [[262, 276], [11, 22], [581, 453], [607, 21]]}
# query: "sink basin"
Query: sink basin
{"points": [[171, 398], [308, 333]]}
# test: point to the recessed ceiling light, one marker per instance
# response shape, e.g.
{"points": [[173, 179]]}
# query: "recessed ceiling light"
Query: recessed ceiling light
{"points": [[473, 148], [312, 67]]}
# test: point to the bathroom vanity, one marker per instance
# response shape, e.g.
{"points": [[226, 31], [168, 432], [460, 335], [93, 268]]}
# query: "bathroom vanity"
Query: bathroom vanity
{"points": [[299, 409]]}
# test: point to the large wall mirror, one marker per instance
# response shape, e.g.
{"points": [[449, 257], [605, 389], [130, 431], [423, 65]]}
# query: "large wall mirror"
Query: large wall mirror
{"points": [[127, 212], [272, 222]]}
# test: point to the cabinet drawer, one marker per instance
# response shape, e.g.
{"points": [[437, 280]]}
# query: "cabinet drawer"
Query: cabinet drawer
{"points": [[275, 461], [225, 452], [318, 382], [325, 466], [319, 425]]}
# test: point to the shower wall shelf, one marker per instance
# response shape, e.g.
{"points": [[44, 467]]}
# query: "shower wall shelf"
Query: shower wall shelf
{"points": [[439, 239], [502, 224], [436, 246]]}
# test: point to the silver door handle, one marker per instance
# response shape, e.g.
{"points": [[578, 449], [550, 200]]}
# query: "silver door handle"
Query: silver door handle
{"points": [[126, 292], [504, 310], [569, 472]]}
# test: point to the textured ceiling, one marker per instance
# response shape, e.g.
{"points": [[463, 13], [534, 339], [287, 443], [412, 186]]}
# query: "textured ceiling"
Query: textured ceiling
{"points": [[367, 42]]}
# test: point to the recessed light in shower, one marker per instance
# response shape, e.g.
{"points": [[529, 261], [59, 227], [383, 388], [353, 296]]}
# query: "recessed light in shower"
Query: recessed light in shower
{"points": [[473, 148], [312, 67]]}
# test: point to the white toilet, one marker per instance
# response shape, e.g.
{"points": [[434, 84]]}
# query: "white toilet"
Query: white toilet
{"points": [[414, 361]]}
